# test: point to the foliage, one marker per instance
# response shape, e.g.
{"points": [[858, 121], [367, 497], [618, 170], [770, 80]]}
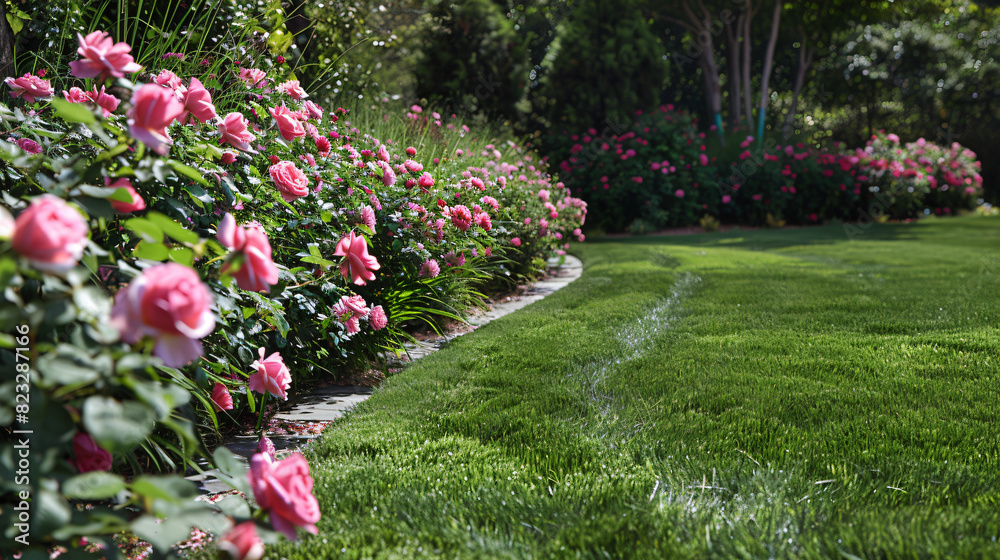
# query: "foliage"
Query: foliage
{"points": [[652, 170], [115, 373], [920, 177], [471, 59], [604, 65]]}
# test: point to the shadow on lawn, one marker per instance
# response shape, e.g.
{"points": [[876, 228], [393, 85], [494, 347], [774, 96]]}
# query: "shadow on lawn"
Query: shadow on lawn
{"points": [[765, 239]]}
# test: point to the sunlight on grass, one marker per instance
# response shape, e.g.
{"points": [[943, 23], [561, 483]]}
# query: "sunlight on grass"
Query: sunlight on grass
{"points": [[777, 394]]}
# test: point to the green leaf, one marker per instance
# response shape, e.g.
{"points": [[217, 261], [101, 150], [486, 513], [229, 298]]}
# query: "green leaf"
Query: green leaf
{"points": [[172, 228], [120, 195], [8, 269], [71, 367], [319, 260], [50, 510], [162, 398], [72, 112], [151, 251], [149, 231], [95, 485], [278, 321], [93, 301], [234, 506], [189, 172], [170, 488], [16, 25], [182, 255], [164, 533], [117, 425]]}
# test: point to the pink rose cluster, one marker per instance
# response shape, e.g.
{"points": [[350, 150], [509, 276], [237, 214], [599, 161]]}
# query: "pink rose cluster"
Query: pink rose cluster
{"points": [[50, 234], [358, 266], [283, 489], [271, 376], [170, 304], [250, 262]]}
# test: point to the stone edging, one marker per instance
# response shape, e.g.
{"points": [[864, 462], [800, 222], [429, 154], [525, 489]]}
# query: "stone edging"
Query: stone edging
{"points": [[326, 404]]}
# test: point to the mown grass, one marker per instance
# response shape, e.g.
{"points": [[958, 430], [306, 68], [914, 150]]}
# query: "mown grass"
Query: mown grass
{"points": [[743, 395]]}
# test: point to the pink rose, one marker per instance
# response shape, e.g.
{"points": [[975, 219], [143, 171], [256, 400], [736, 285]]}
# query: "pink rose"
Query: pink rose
{"points": [[168, 79], [29, 86], [388, 175], [368, 217], [234, 129], [242, 542], [323, 145], [461, 217], [425, 182], [137, 202], [358, 264], [314, 110], [483, 220], [255, 270], [430, 268], [170, 303], [290, 180], [272, 376], [378, 319], [198, 101], [253, 77], [29, 145], [228, 158], [294, 89], [51, 234], [88, 456], [221, 398], [289, 126], [76, 95], [351, 306], [107, 102], [102, 58], [153, 110], [266, 446], [516, 241], [284, 489]]}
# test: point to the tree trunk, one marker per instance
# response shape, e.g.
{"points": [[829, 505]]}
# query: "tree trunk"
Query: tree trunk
{"points": [[733, 56], [713, 89], [805, 60], [766, 75], [747, 84], [703, 36], [6, 44]]}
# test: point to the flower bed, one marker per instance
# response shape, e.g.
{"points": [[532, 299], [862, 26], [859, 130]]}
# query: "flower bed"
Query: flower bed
{"points": [[660, 172], [180, 251]]}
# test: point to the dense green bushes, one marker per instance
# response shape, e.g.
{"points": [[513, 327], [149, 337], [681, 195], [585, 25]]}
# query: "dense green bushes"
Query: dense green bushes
{"points": [[660, 172], [174, 252]]}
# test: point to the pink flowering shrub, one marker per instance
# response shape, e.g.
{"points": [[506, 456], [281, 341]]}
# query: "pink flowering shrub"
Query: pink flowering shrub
{"points": [[920, 177], [660, 172], [634, 173], [160, 237]]}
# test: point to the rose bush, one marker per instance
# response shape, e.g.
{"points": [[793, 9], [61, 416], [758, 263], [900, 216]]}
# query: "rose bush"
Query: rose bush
{"points": [[144, 267], [660, 172]]}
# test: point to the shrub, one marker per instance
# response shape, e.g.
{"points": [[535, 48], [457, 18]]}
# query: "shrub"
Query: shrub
{"points": [[920, 177], [656, 170], [168, 260]]}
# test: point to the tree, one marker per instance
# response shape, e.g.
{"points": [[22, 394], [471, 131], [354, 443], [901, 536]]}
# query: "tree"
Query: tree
{"points": [[604, 65], [471, 58]]}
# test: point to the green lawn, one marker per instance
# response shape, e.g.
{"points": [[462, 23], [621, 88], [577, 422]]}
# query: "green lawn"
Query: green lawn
{"points": [[752, 394]]}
